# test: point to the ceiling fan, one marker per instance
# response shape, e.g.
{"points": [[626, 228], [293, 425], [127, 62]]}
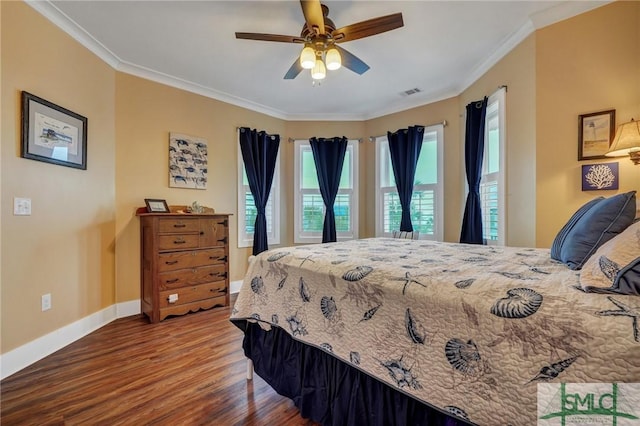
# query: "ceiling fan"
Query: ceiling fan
{"points": [[321, 37]]}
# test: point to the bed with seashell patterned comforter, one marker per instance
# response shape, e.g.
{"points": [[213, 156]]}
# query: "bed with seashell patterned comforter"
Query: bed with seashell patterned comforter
{"points": [[470, 330]]}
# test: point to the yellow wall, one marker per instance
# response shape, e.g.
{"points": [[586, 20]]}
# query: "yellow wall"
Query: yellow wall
{"points": [[1, 203], [453, 174], [585, 64], [516, 71], [146, 112], [82, 244], [322, 129], [66, 247]]}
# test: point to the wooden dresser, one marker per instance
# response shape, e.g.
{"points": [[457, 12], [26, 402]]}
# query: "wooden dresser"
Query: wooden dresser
{"points": [[184, 263]]}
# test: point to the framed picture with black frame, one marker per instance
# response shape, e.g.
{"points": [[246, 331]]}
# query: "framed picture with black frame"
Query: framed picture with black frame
{"points": [[595, 134], [52, 134]]}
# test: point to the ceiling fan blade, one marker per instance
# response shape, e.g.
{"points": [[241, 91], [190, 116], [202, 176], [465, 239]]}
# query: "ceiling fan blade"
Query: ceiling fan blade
{"points": [[351, 61], [293, 72], [368, 28], [312, 11], [270, 37]]}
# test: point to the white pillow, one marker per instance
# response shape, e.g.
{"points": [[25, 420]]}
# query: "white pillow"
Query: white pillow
{"points": [[615, 266], [406, 235]]}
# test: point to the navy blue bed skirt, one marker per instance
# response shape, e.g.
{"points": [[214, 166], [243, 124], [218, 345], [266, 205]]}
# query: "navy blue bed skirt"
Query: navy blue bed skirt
{"points": [[327, 390]]}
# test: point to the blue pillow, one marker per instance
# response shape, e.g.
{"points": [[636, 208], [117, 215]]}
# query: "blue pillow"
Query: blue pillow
{"points": [[606, 219], [558, 242], [628, 279]]}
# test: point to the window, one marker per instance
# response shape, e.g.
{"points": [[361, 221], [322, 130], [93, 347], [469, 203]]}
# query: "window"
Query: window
{"points": [[309, 207], [493, 171], [247, 211], [427, 209]]}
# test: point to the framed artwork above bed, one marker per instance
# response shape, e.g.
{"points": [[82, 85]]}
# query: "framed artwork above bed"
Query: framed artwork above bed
{"points": [[597, 177], [595, 134]]}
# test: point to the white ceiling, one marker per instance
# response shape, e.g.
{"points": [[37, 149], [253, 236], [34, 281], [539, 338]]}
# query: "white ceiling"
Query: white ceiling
{"points": [[443, 47]]}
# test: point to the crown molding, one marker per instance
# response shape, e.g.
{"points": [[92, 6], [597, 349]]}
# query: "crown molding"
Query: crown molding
{"points": [[509, 44], [539, 20], [178, 83], [69, 26], [564, 11], [413, 102]]}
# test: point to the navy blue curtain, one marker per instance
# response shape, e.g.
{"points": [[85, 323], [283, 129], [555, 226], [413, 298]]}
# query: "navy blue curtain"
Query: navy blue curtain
{"points": [[471, 232], [404, 148], [259, 153], [328, 155]]}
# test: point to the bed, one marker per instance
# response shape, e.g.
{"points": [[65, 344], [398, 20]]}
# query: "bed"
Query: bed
{"points": [[390, 331]]}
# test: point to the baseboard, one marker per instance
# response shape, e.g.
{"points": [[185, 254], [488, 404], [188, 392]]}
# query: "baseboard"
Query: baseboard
{"points": [[127, 309], [25, 355], [234, 286]]}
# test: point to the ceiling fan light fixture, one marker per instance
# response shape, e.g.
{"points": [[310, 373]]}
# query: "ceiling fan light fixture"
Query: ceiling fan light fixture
{"points": [[319, 71], [319, 37], [333, 59], [307, 58]]}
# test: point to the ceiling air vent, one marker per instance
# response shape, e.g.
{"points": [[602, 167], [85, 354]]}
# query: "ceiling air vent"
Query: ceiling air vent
{"points": [[411, 92]]}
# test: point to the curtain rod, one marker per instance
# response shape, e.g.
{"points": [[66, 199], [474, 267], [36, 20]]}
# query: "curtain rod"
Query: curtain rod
{"points": [[502, 86], [247, 127], [443, 122], [306, 139]]}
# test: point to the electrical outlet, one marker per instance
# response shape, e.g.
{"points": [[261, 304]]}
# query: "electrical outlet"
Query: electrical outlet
{"points": [[46, 302]]}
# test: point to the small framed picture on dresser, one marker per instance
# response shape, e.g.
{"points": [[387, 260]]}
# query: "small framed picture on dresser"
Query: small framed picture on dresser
{"points": [[156, 206]]}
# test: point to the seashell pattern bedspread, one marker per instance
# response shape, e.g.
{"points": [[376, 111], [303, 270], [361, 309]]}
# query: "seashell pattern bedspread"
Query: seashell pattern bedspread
{"points": [[468, 329]]}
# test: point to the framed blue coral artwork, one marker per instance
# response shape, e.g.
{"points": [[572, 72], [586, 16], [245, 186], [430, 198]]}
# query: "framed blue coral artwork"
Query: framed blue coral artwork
{"points": [[598, 177]]}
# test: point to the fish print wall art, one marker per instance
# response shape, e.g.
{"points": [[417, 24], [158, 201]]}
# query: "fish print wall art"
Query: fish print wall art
{"points": [[187, 161]]}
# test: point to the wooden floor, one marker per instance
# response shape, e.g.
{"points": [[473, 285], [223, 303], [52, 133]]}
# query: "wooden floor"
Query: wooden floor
{"points": [[187, 370]]}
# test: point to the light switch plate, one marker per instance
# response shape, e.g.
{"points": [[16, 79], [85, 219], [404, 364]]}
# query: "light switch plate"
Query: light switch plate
{"points": [[46, 302], [21, 206]]}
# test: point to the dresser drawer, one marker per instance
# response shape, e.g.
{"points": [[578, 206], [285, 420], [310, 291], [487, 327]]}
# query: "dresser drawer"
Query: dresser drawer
{"points": [[214, 232], [185, 256], [178, 241], [190, 259], [178, 225], [191, 276], [193, 293]]}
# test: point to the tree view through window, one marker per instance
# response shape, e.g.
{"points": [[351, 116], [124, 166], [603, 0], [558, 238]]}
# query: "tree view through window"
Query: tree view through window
{"points": [[310, 209], [424, 201], [312, 205]]}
